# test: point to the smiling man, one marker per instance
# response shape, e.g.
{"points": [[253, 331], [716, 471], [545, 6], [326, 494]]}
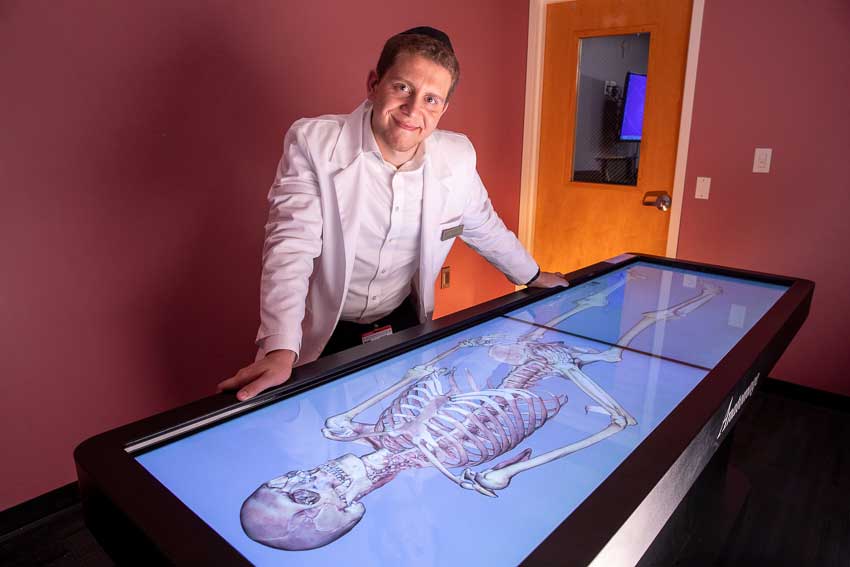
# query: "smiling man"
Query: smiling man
{"points": [[364, 210]]}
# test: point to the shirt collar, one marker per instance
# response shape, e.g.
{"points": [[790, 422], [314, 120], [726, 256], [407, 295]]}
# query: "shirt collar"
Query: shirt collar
{"points": [[369, 145]]}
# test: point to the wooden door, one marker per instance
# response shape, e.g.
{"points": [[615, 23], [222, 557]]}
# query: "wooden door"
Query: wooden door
{"points": [[578, 223]]}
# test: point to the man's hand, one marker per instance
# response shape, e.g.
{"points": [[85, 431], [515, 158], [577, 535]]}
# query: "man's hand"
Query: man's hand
{"points": [[550, 279], [274, 369]]}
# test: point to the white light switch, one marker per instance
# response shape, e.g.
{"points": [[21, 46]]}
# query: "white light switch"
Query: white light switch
{"points": [[761, 161], [703, 186]]}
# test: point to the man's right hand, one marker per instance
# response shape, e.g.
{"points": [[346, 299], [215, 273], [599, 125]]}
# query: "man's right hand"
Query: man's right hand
{"points": [[272, 370]]}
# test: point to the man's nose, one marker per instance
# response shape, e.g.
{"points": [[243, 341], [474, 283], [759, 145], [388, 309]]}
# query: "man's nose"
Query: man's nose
{"points": [[412, 105]]}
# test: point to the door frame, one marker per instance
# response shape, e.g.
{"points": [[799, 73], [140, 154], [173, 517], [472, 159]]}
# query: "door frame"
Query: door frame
{"points": [[531, 124]]}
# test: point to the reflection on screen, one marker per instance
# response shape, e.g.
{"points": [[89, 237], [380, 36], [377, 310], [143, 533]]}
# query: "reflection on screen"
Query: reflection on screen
{"points": [[473, 448], [728, 309]]}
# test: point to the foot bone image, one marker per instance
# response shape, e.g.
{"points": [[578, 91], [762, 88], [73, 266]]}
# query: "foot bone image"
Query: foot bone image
{"points": [[440, 418]]}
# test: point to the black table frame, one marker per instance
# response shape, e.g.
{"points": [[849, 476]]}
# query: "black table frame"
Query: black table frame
{"points": [[138, 521]]}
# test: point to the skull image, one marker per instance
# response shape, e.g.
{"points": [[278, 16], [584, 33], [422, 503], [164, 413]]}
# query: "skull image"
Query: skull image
{"points": [[302, 509]]}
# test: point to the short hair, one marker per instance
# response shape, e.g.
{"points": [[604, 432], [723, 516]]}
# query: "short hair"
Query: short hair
{"points": [[427, 46]]}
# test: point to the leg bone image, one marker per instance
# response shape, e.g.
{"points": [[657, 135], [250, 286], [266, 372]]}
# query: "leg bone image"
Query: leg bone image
{"points": [[427, 419]]}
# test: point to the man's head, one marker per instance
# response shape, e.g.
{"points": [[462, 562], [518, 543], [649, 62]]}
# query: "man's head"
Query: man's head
{"points": [[426, 42], [410, 89]]}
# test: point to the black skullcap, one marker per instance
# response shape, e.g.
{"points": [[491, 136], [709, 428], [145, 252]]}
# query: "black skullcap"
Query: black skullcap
{"points": [[431, 32]]}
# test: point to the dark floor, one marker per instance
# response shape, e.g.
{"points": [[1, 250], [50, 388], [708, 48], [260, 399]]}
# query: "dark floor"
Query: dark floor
{"points": [[796, 455], [793, 447], [59, 540]]}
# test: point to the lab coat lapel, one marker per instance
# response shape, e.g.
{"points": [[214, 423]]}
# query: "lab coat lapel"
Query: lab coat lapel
{"points": [[348, 184], [434, 191]]}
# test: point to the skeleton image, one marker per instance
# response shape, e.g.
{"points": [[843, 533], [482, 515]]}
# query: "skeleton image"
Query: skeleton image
{"points": [[430, 421]]}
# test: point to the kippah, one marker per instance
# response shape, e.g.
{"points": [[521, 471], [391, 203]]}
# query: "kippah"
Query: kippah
{"points": [[431, 32]]}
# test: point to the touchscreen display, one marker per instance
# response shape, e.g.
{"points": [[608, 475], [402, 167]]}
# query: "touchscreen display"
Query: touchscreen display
{"points": [[472, 448]]}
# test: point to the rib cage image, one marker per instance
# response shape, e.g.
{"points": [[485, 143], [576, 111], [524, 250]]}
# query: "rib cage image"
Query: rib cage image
{"points": [[467, 428]]}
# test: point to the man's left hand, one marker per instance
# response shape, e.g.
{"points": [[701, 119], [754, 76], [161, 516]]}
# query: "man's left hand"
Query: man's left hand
{"points": [[550, 279]]}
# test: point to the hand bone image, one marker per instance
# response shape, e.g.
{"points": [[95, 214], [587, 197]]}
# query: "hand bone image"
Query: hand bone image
{"points": [[438, 417]]}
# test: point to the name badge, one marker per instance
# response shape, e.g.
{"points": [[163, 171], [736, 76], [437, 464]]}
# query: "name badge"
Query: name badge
{"points": [[452, 232]]}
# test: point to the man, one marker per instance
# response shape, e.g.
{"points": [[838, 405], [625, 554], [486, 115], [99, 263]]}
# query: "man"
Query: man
{"points": [[363, 211]]}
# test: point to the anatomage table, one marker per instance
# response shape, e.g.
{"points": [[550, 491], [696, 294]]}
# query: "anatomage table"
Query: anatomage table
{"points": [[548, 426]]}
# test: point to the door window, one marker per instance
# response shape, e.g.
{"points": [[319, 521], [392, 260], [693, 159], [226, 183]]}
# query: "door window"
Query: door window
{"points": [[609, 112]]}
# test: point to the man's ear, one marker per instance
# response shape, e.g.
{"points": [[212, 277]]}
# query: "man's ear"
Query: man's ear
{"points": [[371, 84]]}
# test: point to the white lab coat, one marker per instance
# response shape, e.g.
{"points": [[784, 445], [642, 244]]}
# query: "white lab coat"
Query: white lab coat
{"points": [[314, 221]]}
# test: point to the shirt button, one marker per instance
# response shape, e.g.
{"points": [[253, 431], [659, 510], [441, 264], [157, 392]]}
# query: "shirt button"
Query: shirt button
{"points": [[374, 298], [396, 208], [384, 271]]}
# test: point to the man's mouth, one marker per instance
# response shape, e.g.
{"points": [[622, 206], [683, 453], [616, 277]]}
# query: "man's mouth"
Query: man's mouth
{"points": [[405, 126]]}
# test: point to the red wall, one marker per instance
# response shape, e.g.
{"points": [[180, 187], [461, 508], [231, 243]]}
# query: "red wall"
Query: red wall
{"points": [[137, 144], [776, 74]]}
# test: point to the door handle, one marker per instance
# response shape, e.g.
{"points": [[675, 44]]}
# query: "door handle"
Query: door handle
{"points": [[658, 199]]}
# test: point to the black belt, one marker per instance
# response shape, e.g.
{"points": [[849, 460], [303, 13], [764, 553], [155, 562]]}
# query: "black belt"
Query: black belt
{"points": [[349, 334]]}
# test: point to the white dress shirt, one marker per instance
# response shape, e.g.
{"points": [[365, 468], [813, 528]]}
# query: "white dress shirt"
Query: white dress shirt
{"points": [[388, 244]]}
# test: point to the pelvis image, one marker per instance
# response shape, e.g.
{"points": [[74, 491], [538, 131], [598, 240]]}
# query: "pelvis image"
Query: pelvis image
{"points": [[442, 417]]}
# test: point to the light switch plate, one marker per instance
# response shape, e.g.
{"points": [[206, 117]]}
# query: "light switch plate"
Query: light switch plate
{"points": [[703, 187], [761, 160]]}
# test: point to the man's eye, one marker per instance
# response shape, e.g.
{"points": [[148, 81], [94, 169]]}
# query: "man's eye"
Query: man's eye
{"points": [[403, 88]]}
